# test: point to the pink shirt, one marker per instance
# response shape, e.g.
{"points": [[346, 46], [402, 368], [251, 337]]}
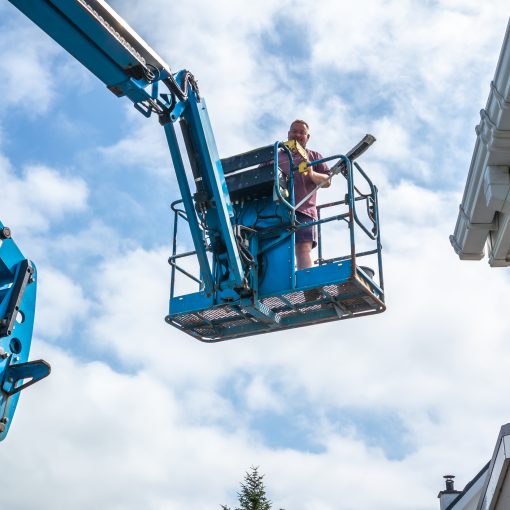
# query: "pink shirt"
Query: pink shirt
{"points": [[303, 184]]}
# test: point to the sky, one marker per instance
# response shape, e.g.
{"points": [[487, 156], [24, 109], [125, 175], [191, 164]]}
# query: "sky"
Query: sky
{"points": [[358, 414]]}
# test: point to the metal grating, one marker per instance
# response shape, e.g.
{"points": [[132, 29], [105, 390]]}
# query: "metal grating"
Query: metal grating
{"points": [[293, 309], [219, 313], [190, 318], [273, 302]]}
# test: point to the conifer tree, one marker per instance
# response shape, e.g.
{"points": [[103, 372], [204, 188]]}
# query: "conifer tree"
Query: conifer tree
{"points": [[252, 495]]}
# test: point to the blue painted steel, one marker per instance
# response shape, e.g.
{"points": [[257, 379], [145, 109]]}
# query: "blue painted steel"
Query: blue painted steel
{"points": [[220, 211], [217, 211], [283, 298], [324, 294], [247, 282], [96, 36], [67, 23], [189, 206], [15, 342]]}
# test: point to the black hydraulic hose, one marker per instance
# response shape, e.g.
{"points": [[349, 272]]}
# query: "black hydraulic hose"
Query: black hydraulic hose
{"points": [[181, 91]]}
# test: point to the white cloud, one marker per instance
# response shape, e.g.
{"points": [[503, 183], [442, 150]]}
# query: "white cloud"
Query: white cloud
{"points": [[182, 416], [421, 361], [225, 59], [259, 396], [169, 417], [31, 76], [394, 141], [145, 146], [118, 432], [61, 304], [28, 83], [39, 196], [96, 240]]}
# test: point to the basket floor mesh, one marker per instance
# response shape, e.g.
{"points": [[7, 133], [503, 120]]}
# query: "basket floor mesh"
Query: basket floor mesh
{"points": [[292, 309]]}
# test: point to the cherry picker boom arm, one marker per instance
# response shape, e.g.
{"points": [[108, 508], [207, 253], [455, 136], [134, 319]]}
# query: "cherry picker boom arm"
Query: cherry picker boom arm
{"points": [[105, 44], [101, 40], [241, 212]]}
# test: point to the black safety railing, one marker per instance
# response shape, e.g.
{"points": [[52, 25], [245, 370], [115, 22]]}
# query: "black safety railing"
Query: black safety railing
{"points": [[359, 214], [176, 258], [359, 227]]}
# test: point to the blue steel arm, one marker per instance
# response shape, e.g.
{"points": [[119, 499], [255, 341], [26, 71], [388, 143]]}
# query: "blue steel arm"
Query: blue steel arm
{"points": [[18, 283], [208, 160], [189, 208], [103, 42]]}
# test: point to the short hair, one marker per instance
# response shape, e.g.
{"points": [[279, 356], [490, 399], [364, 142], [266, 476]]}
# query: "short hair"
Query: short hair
{"points": [[300, 121]]}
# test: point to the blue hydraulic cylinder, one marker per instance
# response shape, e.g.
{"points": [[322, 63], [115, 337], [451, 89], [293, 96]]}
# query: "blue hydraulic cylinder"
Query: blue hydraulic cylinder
{"points": [[211, 201], [18, 284], [220, 212]]}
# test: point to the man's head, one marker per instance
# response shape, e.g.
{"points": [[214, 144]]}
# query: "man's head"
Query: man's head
{"points": [[299, 131]]}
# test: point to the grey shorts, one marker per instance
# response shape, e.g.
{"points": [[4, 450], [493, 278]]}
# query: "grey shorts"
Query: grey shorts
{"points": [[306, 234]]}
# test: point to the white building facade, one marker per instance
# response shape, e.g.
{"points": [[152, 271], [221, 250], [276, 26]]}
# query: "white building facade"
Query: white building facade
{"points": [[484, 214], [490, 488]]}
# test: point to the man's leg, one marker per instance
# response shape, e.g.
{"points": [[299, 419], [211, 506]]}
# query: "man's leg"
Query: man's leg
{"points": [[304, 255]]}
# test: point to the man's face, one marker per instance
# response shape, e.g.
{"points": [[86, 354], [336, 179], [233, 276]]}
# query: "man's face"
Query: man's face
{"points": [[299, 132]]}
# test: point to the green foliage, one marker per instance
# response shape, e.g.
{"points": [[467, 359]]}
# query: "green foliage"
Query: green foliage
{"points": [[252, 495]]}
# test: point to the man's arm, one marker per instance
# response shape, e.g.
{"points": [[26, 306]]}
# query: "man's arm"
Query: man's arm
{"points": [[320, 179], [319, 174]]}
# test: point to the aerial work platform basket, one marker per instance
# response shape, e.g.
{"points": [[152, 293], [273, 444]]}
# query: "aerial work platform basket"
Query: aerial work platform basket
{"points": [[340, 285]]}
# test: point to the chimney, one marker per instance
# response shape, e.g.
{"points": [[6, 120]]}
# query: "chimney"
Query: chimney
{"points": [[449, 494]]}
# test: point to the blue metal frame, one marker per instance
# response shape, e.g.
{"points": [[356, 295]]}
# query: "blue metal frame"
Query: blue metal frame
{"points": [[220, 212], [247, 282], [232, 245], [334, 289], [18, 285]]}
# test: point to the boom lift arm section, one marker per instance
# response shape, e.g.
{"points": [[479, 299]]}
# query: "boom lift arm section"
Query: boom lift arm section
{"points": [[102, 41], [242, 220]]}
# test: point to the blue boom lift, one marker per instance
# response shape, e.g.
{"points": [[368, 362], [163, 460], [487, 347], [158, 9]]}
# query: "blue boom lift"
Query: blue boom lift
{"points": [[239, 211]]}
